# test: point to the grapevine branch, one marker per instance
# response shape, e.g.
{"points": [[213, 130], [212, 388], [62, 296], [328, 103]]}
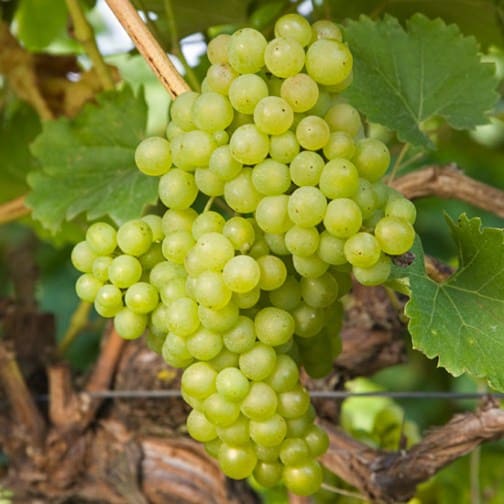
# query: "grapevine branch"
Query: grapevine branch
{"points": [[393, 476], [449, 182], [149, 47]]}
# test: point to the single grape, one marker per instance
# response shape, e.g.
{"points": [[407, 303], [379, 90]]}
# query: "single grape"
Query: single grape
{"points": [[208, 182], [319, 292], [294, 451], [241, 273], [305, 168], [309, 320], [212, 112], [312, 133], [181, 108], [241, 337], [343, 218], [174, 220], [362, 249], [249, 145], [204, 344], [302, 241], [223, 164], [101, 238], [258, 362], [260, 402], [268, 474], [273, 115], [271, 177], [325, 29], [303, 479], [401, 208], [340, 145], [130, 325], [240, 193], [182, 316], [153, 156], [219, 320], [272, 214], [220, 76], [199, 427], [240, 232], [87, 286], [317, 440], [246, 91], [329, 62], [372, 158], [284, 376], [246, 50], [83, 257], [216, 249], [232, 384], [288, 295], [395, 236], [237, 462], [274, 326], [273, 272], [284, 57], [221, 411], [307, 206], [294, 26], [177, 189], [330, 249], [211, 290], [207, 222], [236, 434], [141, 297], [198, 380], [344, 117], [284, 147], [217, 50], [293, 403], [177, 244]]}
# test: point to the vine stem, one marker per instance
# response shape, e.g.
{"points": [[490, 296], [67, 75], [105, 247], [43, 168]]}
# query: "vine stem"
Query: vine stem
{"points": [[84, 34], [13, 210], [78, 321], [149, 47]]}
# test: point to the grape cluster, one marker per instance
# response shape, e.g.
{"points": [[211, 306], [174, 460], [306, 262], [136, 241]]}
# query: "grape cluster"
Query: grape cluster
{"points": [[242, 297]]}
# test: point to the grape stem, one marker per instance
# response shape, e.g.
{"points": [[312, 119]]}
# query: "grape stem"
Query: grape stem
{"points": [[149, 47], [13, 210], [84, 34], [397, 165], [78, 321], [450, 182]]}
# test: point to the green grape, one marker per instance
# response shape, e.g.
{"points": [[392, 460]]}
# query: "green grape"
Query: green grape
{"points": [[130, 325], [317, 440], [124, 270], [401, 208], [299, 426], [199, 427], [294, 26], [344, 117], [221, 137], [303, 479], [325, 29], [372, 158], [241, 273], [309, 320], [319, 292], [176, 245], [260, 403], [268, 474], [305, 168], [141, 297], [300, 91], [324, 102], [273, 272], [219, 320], [220, 76], [240, 232], [247, 299], [284, 376], [87, 286], [284, 147], [83, 257], [181, 110], [175, 353], [293, 403], [173, 130], [273, 115], [182, 316], [329, 62], [258, 362], [249, 145], [241, 337], [294, 451], [198, 380], [395, 236], [216, 249], [236, 434], [164, 272], [224, 359], [267, 453], [246, 50], [152, 257], [134, 237], [204, 344], [213, 447], [302, 241], [159, 320], [309, 266], [307, 206], [343, 217], [223, 164], [246, 91], [208, 182], [175, 220], [312, 133], [271, 177], [207, 222], [232, 384], [101, 238], [153, 156], [217, 50], [240, 193], [101, 268], [212, 112], [237, 462], [193, 149], [287, 296], [272, 214], [155, 222], [211, 290], [108, 301], [269, 432], [284, 57], [340, 145], [362, 249], [177, 189], [331, 249], [221, 411], [276, 243], [173, 289], [274, 326]]}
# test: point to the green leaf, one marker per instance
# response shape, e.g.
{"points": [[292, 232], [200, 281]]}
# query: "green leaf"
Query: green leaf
{"points": [[461, 321], [481, 18], [402, 78], [195, 16], [88, 164], [18, 128], [40, 22]]}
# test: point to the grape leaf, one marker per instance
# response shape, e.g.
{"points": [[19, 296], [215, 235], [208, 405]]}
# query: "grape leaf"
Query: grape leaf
{"points": [[461, 321], [195, 16], [88, 163], [481, 18], [17, 130], [402, 78]]}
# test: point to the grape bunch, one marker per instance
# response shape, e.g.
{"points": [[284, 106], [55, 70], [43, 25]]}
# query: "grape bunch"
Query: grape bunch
{"points": [[247, 290]]}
